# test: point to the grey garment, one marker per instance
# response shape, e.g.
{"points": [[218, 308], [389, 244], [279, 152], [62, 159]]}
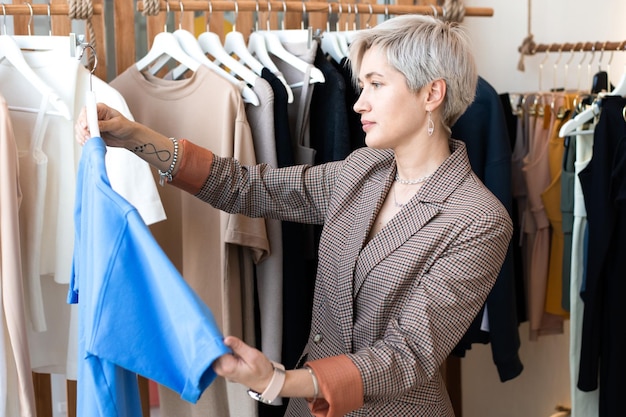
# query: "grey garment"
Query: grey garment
{"points": [[299, 110], [269, 273], [567, 210]]}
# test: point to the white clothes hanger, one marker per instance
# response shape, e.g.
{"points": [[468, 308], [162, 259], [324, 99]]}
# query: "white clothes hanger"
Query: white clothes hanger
{"points": [[330, 43], [276, 48], [234, 43], [258, 50], [211, 44], [592, 111], [164, 48], [183, 47], [62, 44], [10, 51], [257, 47], [192, 46]]}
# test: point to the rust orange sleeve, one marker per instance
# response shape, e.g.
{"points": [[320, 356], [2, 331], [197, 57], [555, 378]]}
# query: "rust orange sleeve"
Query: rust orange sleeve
{"points": [[340, 384], [194, 169]]}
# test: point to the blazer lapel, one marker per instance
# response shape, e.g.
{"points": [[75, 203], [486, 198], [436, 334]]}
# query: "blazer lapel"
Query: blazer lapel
{"points": [[368, 205], [399, 229], [419, 211]]}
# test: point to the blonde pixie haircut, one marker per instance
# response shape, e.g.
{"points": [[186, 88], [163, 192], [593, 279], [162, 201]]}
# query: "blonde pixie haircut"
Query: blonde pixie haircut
{"points": [[424, 49]]}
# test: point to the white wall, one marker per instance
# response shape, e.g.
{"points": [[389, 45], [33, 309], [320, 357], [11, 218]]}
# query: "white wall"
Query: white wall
{"points": [[544, 383]]}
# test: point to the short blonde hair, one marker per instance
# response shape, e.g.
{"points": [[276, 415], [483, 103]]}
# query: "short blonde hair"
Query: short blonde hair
{"points": [[424, 49]]}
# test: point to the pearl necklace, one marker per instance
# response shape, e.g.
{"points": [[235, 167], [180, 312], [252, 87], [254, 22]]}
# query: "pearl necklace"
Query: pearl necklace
{"points": [[412, 182]]}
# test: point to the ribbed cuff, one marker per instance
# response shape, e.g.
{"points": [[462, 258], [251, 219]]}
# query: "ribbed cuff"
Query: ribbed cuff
{"points": [[194, 167], [341, 386]]}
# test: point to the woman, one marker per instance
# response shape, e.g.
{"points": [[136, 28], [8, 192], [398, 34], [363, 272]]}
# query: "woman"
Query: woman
{"points": [[412, 240]]}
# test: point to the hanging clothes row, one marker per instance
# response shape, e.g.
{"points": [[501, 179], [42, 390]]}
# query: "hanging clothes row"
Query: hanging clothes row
{"points": [[568, 177], [279, 116], [44, 90]]}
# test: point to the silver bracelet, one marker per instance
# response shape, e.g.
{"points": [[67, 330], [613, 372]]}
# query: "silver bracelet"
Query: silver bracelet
{"points": [[316, 387], [167, 175]]}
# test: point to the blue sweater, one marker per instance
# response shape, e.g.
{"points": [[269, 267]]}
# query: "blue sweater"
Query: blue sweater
{"points": [[137, 315]]}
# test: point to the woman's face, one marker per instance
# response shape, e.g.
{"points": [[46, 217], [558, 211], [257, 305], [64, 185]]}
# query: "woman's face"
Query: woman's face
{"points": [[392, 115]]}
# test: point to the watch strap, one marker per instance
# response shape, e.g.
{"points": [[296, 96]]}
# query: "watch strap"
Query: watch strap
{"points": [[272, 391]]}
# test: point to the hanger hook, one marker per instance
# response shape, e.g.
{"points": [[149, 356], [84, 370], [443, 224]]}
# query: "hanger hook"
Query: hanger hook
{"points": [[367, 24], [256, 20], [567, 64], [345, 26], [30, 19], [601, 55], [49, 20], [303, 15], [236, 16], [167, 14], [282, 23], [330, 11], [339, 13], [95, 61], [443, 12], [435, 12], [180, 16], [208, 19], [356, 16], [269, 11], [541, 64], [4, 20], [555, 66], [386, 12], [593, 53]]}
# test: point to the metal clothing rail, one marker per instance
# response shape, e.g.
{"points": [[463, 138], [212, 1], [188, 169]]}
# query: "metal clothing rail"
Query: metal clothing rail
{"points": [[310, 7]]}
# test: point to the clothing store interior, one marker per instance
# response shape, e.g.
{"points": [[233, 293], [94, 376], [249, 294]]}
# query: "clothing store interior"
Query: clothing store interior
{"points": [[552, 80]]}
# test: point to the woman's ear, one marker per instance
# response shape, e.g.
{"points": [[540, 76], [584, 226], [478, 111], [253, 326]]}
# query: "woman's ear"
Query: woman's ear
{"points": [[436, 93]]}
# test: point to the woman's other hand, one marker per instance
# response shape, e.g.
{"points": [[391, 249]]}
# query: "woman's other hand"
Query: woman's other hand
{"points": [[246, 365]]}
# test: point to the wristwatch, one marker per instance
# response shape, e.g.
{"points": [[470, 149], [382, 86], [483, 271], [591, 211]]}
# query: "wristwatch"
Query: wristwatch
{"points": [[273, 389]]}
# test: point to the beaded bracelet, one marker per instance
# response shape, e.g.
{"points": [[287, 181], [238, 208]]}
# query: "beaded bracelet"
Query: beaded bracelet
{"points": [[167, 175]]}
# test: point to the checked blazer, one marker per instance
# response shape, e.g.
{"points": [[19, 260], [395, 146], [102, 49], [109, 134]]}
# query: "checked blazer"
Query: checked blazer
{"points": [[397, 304]]}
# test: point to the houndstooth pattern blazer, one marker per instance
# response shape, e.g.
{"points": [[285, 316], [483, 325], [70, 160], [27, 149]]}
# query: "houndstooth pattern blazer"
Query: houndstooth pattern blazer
{"points": [[398, 304]]}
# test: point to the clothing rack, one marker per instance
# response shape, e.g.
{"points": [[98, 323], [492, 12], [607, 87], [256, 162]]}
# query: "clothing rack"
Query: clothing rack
{"points": [[311, 7], [319, 15], [55, 9], [574, 47], [122, 34]]}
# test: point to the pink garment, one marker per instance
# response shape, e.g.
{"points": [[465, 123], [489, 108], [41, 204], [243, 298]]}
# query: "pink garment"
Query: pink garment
{"points": [[536, 172], [16, 383]]}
